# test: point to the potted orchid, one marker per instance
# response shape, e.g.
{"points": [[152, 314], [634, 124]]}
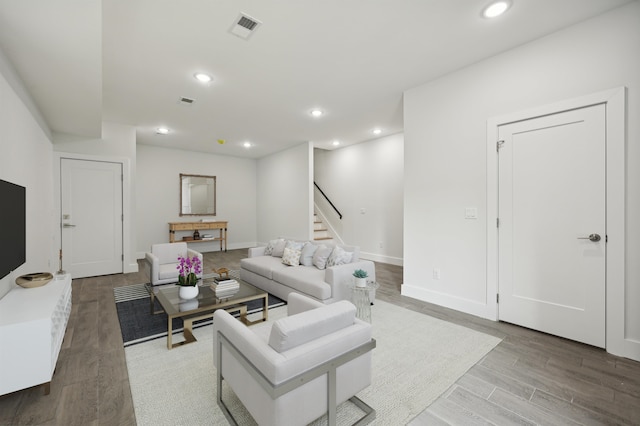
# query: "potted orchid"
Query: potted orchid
{"points": [[188, 269]]}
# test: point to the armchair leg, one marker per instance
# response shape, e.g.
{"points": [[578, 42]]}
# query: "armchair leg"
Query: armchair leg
{"points": [[370, 413]]}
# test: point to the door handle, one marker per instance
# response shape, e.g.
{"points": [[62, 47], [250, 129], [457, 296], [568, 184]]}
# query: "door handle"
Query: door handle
{"points": [[68, 225], [592, 237]]}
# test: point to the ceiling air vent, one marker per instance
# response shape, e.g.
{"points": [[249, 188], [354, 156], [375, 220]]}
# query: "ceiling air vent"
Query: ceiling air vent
{"points": [[186, 101], [244, 26]]}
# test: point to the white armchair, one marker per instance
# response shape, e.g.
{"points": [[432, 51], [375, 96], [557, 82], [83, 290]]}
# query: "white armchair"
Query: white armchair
{"points": [[162, 262], [294, 370]]}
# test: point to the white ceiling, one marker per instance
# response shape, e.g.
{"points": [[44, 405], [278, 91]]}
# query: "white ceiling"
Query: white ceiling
{"points": [[130, 61]]}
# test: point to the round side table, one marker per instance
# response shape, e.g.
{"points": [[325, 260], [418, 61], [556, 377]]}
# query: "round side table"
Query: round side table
{"points": [[361, 297]]}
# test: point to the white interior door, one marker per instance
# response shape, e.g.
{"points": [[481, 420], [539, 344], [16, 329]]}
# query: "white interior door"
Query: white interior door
{"points": [[552, 177], [91, 202]]}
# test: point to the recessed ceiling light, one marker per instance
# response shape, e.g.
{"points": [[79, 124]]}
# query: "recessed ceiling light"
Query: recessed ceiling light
{"points": [[162, 130], [336, 143], [496, 9], [247, 144], [202, 77], [317, 113], [376, 131]]}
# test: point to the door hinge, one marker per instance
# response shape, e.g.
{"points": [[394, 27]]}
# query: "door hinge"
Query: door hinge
{"points": [[497, 297], [606, 238], [497, 222], [122, 257], [122, 217], [499, 145], [122, 178]]}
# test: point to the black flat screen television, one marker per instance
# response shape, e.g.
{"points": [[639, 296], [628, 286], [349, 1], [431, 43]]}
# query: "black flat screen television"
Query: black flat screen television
{"points": [[13, 238]]}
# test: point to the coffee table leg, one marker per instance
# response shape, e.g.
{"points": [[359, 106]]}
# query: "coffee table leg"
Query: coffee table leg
{"points": [[169, 331], [265, 308]]}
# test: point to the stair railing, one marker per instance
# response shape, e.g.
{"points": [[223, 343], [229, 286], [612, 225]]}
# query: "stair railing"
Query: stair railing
{"points": [[328, 200]]}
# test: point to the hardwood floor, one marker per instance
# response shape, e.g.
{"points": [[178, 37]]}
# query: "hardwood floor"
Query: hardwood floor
{"points": [[529, 378]]}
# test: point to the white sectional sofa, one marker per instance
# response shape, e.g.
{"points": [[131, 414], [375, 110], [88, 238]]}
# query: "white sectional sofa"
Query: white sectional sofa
{"points": [[320, 271]]}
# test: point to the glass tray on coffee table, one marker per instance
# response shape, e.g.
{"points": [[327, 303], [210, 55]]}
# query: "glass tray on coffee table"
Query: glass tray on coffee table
{"points": [[205, 305]]}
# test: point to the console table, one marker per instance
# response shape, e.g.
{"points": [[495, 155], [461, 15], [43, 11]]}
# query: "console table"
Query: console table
{"points": [[32, 325], [221, 226]]}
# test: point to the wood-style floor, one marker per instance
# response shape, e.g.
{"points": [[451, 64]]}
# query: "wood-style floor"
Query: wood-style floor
{"points": [[529, 378]]}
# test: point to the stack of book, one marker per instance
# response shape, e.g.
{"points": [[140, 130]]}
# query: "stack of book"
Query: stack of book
{"points": [[225, 287]]}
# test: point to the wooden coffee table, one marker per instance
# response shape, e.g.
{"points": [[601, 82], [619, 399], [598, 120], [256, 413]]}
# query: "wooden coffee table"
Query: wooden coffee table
{"points": [[205, 305]]}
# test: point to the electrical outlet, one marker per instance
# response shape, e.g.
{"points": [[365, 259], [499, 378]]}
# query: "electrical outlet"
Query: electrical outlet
{"points": [[436, 273]]}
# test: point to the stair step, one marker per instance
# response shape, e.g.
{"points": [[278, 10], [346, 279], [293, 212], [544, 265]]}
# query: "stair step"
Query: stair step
{"points": [[320, 230], [322, 238]]}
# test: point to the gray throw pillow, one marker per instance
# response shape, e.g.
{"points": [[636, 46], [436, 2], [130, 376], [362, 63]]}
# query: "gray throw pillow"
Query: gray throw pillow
{"points": [[269, 249], [278, 248], [320, 256], [339, 257], [306, 258]]}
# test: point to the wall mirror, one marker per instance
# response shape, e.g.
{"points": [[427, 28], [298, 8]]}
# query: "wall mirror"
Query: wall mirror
{"points": [[197, 195]]}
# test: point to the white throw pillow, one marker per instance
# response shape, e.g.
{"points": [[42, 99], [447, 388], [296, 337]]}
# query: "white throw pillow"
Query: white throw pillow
{"points": [[278, 248], [291, 257], [306, 257], [296, 245], [320, 256], [339, 257], [289, 332], [270, 245]]}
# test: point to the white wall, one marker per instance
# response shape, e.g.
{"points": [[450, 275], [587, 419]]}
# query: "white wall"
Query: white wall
{"points": [[366, 176], [26, 160], [118, 144], [158, 195], [445, 151], [285, 195]]}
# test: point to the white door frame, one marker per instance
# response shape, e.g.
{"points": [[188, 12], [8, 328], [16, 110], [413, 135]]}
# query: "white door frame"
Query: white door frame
{"points": [[615, 102], [130, 263]]}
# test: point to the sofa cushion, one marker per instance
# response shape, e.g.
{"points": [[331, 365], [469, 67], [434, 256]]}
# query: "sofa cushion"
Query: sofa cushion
{"points": [[306, 256], [168, 253], [339, 257], [278, 248], [296, 245], [289, 332], [321, 256], [262, 265], [270, 245], [291, 256], [168, 270], [304, 279]]}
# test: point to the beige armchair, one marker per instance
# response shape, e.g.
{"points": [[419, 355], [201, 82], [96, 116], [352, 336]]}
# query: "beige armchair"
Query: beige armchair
{"points": [[162, 262], [296, 369]]}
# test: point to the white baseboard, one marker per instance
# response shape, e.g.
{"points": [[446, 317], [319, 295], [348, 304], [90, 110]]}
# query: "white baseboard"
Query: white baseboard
{"points": [[131, 267], [467, 306]]}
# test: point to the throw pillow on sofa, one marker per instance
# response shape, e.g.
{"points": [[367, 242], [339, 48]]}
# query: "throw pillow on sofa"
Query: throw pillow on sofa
{"points": [[308, 250], [339, 257], [321, 256], [296, 245], [278, 248], [270, 246], [291, 256]]}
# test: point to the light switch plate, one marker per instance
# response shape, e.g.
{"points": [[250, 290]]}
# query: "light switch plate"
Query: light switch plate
{"points": [[471, 213]]}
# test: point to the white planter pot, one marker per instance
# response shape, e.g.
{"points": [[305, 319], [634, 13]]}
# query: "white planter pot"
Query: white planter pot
{"points": [[360, 282], [188, 292]]}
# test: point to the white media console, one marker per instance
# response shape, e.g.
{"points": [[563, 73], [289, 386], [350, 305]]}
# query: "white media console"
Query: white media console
{"points": [[32, 325]]}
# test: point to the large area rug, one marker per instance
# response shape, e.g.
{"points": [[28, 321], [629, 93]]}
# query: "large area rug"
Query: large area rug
{"points": [[417, 358], [138, 325]]}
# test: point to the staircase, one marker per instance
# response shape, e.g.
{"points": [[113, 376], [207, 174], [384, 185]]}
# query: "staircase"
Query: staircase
{"points": [[320, 231]]}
